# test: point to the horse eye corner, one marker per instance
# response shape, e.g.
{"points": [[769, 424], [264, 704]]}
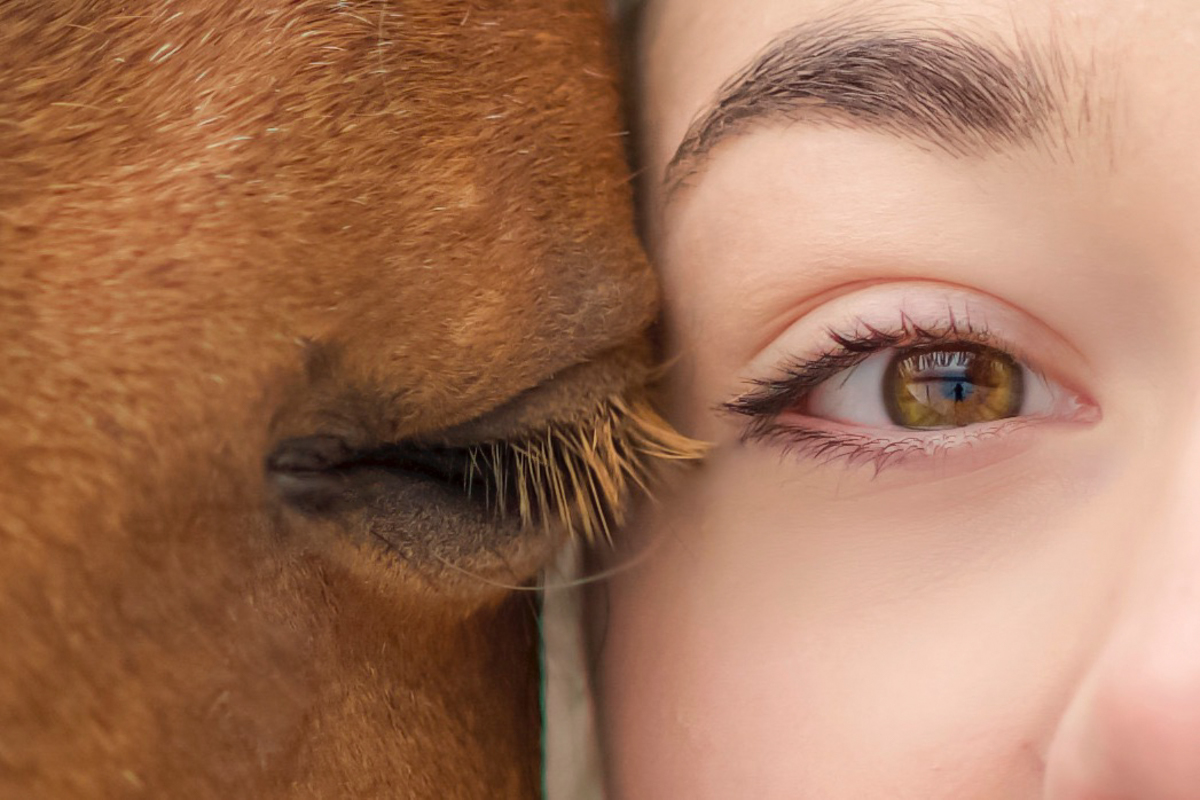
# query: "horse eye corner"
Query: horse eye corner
{"points": [[308, 472]]}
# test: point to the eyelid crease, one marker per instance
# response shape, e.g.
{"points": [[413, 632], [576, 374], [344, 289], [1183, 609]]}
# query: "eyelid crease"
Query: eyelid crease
{"points": [[782, 322]]}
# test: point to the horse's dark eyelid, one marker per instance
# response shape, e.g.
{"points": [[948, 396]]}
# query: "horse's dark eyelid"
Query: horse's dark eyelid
{"points": [[570, 475], [308, 454]]}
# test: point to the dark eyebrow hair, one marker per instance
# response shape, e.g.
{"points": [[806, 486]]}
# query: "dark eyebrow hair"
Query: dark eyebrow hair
{"points": [[941, 87]]}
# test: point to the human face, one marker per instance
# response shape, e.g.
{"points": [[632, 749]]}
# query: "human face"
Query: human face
{"points": [[871, 591]]}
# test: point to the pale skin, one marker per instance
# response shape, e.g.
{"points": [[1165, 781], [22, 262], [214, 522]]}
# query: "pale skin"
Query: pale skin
{"points": [[1008, 610]]}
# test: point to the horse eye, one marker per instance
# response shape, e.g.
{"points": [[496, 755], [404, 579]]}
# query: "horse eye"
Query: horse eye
{"points": [[568, 477]]}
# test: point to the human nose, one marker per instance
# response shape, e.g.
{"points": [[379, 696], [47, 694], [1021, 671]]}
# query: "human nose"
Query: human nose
{"points": [[1132, 729]]}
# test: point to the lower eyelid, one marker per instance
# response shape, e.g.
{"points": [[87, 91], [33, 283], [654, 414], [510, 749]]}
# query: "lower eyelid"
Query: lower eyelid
{"points": [[826, 443]]}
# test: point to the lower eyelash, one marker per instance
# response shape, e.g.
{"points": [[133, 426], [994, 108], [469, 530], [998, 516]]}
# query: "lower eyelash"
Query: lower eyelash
{"points": [[826, 446]]}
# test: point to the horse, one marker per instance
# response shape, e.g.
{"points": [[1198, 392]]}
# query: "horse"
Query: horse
{"points": [[323, 323]]}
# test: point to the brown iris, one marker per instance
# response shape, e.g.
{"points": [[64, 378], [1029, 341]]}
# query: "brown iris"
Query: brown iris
{"points": [[950, 386]]}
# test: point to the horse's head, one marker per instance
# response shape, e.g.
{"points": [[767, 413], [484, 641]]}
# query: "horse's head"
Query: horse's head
{"points": [[319, 323]]}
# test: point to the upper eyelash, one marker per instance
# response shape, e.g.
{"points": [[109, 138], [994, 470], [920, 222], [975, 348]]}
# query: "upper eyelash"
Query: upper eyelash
{"points": [[770, 397]]}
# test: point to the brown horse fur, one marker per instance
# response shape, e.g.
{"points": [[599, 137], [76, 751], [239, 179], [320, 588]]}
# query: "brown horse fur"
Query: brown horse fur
{"points": [[320, 322]]}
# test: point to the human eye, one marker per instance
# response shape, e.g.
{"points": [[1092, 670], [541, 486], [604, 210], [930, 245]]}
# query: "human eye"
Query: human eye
{"points": [[897, 375]]}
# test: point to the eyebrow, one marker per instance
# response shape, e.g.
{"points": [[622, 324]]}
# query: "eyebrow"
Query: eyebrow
{"points": [[941, 87]]}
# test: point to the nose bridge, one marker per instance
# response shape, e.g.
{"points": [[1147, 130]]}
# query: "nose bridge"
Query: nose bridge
{"points": [[1132, 731]]}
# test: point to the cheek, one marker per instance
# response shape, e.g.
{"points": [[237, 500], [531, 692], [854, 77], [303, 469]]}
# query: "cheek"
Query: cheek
{"points": [[776, 640]]}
